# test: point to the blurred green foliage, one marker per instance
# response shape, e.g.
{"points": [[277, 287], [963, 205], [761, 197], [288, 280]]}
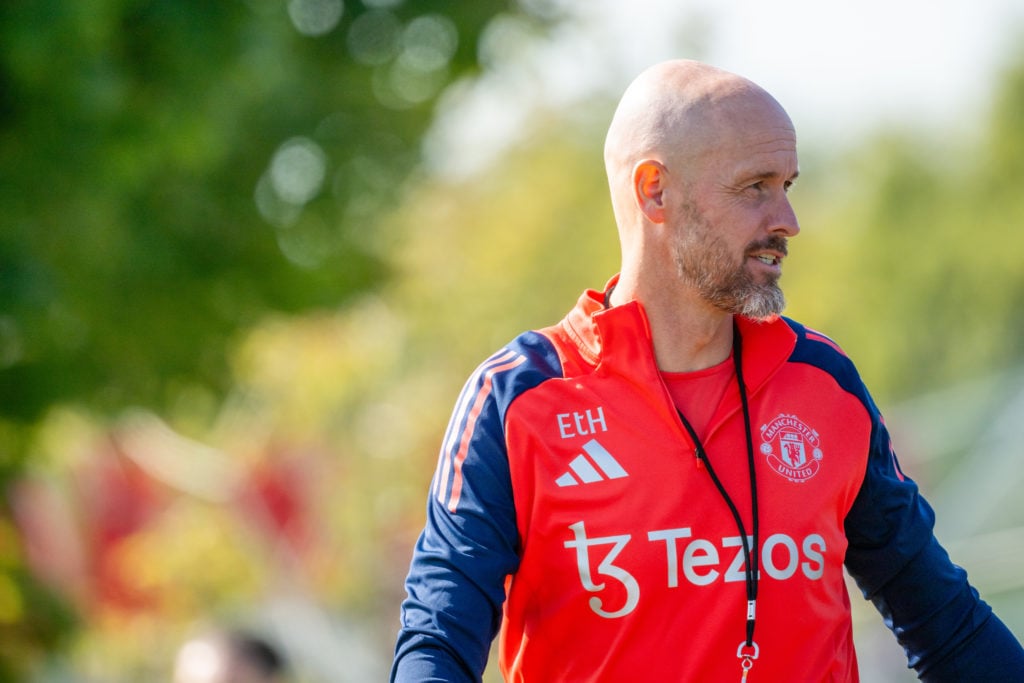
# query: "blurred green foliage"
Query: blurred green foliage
{"points": [[174, 171]]}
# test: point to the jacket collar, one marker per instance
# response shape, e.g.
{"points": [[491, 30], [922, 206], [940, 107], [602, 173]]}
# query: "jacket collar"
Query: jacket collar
{"points": [[618, 339]]}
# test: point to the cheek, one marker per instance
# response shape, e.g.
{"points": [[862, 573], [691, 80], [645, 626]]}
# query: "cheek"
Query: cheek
{"points": [[735, 222]]}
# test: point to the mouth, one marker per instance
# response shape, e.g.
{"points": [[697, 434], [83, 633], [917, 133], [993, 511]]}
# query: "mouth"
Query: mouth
{"points": [[769, 252], [770, 260]]}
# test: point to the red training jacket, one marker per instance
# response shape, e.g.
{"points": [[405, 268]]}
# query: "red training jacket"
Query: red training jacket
{"points": [[569, 507]]}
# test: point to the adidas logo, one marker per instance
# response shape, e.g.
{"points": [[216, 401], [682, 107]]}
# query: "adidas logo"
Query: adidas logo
{"points": [[600, 466]]}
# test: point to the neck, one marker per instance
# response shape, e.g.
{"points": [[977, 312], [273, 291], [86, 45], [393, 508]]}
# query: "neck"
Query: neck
{"points": [[688, 333]]}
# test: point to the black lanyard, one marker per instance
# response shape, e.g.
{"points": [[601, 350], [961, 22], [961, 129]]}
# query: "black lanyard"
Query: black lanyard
{"points": [[748, 650]]}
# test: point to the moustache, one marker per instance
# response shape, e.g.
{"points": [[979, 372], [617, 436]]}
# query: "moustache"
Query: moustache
{"points": [[773, 243]]}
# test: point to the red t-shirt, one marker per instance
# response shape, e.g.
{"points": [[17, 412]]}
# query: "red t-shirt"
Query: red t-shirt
{"points": [[697, 394]]}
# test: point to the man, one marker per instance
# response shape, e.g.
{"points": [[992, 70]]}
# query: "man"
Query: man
{"points": [[665, 485]]}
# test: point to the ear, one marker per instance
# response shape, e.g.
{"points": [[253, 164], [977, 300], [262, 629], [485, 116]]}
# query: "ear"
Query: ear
{"points": [[649, 178]]}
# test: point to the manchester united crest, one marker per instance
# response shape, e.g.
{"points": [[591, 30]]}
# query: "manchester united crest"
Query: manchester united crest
{"points": [[791, 447]]}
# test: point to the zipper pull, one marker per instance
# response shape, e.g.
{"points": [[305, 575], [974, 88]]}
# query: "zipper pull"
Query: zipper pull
{"points": [[699, 455]]}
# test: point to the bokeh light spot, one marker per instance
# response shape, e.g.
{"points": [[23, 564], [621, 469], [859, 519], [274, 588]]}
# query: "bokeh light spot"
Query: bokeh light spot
{"points": [[274, 210], [429, 42], [307, 242], [373, 37], [315, 17], [413, 86], [297, 170]]}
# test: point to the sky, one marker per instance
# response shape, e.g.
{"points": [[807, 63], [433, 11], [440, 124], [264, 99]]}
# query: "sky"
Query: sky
{"points": [[840, 68]]}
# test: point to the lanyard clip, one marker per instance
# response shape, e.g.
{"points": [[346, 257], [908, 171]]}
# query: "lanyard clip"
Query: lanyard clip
{"points": [[747, 653]]}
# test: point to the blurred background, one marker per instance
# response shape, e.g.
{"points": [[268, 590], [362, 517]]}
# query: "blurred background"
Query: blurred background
{"points": [[251, 249]]}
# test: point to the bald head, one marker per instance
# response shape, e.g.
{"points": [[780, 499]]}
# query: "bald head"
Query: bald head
{"points": [[674, 113]]}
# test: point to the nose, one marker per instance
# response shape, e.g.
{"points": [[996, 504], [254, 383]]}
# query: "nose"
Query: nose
{"points": [[784, 221]]}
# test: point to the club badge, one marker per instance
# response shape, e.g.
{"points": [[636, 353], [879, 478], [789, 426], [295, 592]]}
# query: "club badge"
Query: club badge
{"points": [[792, 448]]}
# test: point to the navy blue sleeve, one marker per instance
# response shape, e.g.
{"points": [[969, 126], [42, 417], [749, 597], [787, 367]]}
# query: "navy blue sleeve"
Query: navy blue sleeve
{"points": [[470, 544], [947, 631], [949, 634]]}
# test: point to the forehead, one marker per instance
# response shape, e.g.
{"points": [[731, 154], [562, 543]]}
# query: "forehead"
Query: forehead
{"points": [[743, 130], [761, 147], [761, 150]]}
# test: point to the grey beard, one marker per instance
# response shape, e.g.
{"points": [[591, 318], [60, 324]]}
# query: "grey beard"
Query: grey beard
{"points": [[704, 262], [738, 294], [764, 302]]}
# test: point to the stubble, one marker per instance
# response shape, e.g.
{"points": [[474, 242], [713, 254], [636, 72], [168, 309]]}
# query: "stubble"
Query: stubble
{"points": [[705, 263]]}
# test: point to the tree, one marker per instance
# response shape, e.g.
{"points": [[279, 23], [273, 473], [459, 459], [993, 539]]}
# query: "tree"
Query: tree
{"points": [[171, 171], [174, 170]]}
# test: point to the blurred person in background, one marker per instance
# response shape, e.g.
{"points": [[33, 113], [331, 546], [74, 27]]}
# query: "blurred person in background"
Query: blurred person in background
{"points": [[667, 484], [229, 657]]}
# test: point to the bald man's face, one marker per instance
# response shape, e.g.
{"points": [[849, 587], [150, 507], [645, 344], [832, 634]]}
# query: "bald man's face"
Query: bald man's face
{"points": [[731, 211]]}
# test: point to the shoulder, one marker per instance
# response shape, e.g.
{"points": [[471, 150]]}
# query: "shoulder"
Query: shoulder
{"points": [[522, 364], [821, 351]]}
